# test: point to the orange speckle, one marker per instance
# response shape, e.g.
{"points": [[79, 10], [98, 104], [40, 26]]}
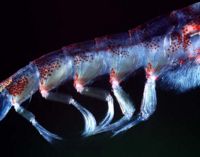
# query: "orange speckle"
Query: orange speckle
{"points": [[78, 83], [16, 88], [188, 30], [113, 78], [149, 70], [181, 61], [47, 69]]}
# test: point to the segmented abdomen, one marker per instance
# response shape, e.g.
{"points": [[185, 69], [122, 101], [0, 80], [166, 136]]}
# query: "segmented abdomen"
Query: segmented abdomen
{"points": [[159, 42]]}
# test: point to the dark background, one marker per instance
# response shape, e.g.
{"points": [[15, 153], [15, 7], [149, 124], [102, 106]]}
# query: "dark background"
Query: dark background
{"points": [[32, 28]]}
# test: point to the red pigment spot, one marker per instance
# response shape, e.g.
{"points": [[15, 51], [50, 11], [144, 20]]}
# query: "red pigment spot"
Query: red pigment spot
{"points": [[153, 44], [181, 61], [77, 80], [149, 70], [16, 88], [77, 59], [189, 29], [113, 77], [47, 70], [176, 41], [83, 58]]}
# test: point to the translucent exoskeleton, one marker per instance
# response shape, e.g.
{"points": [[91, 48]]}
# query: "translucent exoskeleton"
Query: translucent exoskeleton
{"points": [[167, 47]]}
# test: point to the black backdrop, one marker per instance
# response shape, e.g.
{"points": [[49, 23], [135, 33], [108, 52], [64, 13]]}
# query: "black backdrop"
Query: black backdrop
{"points": [[32, 28]]}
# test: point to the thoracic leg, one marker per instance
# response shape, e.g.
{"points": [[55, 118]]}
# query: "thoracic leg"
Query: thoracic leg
{"points": [[50, 137], [102, 95], [125, 104], [148, 106], [90, 122]]}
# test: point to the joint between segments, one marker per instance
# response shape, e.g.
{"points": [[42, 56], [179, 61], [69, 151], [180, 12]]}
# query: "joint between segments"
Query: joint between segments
{"points": [[113, 79]]}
